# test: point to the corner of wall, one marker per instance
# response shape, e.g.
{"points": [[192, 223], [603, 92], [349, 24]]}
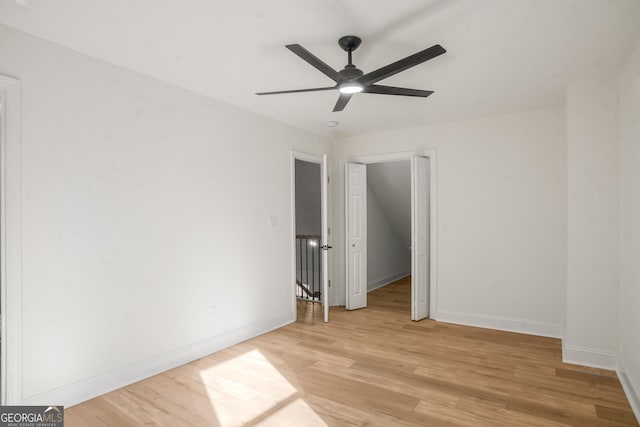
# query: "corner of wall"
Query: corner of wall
{"points": [[593, 193], [631, 388], [381, 283], [591, 357]]}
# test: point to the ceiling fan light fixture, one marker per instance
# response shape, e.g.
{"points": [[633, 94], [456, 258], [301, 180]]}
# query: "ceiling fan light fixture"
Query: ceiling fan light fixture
{"points": [[351, 87], [351, 80]]}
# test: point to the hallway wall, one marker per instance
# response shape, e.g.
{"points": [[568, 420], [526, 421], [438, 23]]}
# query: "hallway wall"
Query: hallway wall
{"points": [[388, 258]]}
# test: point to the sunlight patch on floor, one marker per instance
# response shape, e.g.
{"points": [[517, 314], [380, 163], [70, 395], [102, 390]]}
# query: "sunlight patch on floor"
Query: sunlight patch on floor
{"points": [[295, 414], [249, 390]]}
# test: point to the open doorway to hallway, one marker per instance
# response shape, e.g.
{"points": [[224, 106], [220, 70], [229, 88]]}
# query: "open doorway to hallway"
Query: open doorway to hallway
{"points": [[310, 232], [308, 207], [423, 220], [389, 230]]}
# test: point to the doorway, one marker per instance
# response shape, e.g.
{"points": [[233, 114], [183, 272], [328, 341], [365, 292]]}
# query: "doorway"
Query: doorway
{"points": [[310, 231], [423, 230], [389, 229]]}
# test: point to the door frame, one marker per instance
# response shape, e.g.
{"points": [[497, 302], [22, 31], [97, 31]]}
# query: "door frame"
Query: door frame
{"points": [[324, 190], [419, 310], [10, 242], [431, 154]]}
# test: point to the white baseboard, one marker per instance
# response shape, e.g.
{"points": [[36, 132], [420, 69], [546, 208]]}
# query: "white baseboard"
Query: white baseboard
{"points": [[89, 388], [531, 327], [592, 357], [387, 280], [631, 388]]}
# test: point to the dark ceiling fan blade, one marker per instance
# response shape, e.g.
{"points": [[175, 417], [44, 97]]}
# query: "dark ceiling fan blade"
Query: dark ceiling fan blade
{"points": [[391, 90], [342, 101], [401, 65], [315, 89], [314, 61]]}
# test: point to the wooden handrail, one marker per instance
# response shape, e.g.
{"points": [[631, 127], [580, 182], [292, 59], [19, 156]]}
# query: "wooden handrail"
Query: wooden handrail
{"points": [[308, 236]]}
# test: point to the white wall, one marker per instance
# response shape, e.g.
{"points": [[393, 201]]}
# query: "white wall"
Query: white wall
{"points": [[501, 216], [630, 227], [391, 183], [142, 204], [388, 259], [593, 123]]}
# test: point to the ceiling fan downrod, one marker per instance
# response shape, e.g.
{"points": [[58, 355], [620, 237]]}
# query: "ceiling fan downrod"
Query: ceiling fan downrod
{"points": [[349, 44], [350, 71]]}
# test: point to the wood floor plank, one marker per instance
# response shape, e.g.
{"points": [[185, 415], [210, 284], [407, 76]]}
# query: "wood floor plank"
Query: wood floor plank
{"points": [[614, 414], [371, 367]]}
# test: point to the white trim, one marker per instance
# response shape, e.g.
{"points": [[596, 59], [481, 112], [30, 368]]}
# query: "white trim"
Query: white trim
{"points": [[432, 155], [592, 357], [89, 388], [292, 239], [433, 232], [3, 293], [631, 389], [346, 258], [522, 326], [11, 242], [388, 157], [324, 219], [306, 157], [388, 280]]}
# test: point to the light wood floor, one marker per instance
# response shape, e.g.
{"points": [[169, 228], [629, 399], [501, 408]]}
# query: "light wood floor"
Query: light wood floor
{"points": [[371, 367]]}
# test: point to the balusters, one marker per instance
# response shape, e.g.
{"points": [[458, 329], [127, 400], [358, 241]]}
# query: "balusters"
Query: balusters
{"points": [[309, 261]]}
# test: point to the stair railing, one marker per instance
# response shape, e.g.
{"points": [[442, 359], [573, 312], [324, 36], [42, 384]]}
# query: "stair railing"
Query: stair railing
{"points": [[308, 268]]}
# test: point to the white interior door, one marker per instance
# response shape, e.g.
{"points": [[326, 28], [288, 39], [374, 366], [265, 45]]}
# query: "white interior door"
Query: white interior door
{"points": [[325, 239], [356, 232], [419, 238]]}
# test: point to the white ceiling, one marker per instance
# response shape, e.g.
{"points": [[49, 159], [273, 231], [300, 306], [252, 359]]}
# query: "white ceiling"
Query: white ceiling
{"points": [[503, 55]]}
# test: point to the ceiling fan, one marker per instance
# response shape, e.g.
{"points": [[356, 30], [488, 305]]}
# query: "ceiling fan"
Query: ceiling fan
{"points": [[351, 79]]}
